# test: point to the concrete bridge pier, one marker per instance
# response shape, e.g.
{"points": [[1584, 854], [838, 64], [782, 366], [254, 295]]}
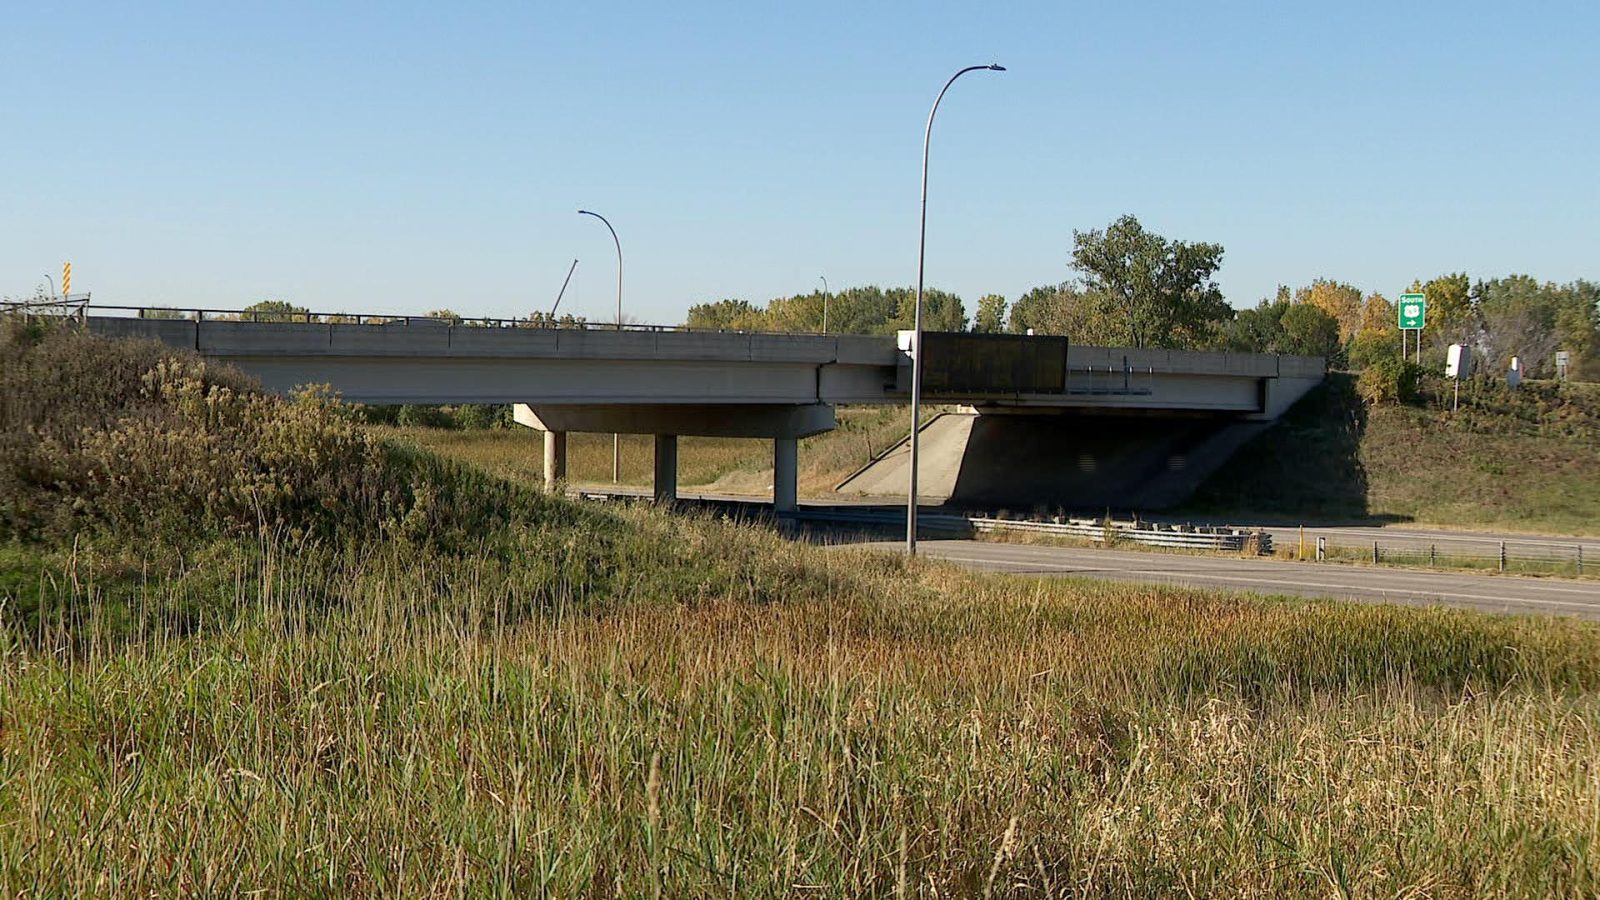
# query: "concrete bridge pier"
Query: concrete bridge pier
{"points": [[555, 460], [785, 475], [666, 475]]}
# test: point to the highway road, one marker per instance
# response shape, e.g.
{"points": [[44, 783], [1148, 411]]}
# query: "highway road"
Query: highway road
{"points": [[1485, 544], [1489, 593], [1372, 584]]}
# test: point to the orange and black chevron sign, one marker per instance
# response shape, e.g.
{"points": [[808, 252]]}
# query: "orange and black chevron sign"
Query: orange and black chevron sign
{"points": [[66, 278]]}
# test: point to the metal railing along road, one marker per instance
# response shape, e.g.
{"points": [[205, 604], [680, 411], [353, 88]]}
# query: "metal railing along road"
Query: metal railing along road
{"points": [[1543, 557], [310, 317], [1186, 537]]}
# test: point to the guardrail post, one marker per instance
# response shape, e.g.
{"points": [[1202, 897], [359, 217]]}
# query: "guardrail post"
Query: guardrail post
{"points": [[1374, 552], [1322, 549], [1502, 556], [1433, 556]]}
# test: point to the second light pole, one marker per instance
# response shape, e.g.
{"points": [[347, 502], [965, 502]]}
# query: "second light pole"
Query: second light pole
{"points": [[916, 320], [824, 303], [616, 439]]}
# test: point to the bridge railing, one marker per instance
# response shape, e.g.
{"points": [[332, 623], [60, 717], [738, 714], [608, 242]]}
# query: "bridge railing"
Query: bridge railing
{"points": [[311, 317]]}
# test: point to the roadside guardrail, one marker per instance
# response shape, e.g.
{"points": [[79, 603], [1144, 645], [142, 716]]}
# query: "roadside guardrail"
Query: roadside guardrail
{"points": [[1187, 537]]}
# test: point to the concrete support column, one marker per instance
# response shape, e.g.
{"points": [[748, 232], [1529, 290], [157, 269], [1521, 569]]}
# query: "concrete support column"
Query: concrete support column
{"points": [[555, 459], [666, 468], [785, 474]]}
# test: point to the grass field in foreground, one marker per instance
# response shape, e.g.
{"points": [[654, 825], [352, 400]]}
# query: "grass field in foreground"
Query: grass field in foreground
{"points": [[768, 718], [245, 650]]}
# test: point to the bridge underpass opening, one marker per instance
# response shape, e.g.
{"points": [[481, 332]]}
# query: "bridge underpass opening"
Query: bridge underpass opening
{"points": [[1043, 461], [781, 426]]}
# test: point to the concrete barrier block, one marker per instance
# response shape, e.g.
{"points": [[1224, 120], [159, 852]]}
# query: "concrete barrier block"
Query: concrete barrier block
{"points": [[176, 332], [395, 339], [262, 338], [503, 342], [864, 350], [703, 345], [601, 344], [791, 348]]}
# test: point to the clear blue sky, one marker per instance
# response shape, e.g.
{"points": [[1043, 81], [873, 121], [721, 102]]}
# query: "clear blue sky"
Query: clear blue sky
{"points": [[403, 157]]}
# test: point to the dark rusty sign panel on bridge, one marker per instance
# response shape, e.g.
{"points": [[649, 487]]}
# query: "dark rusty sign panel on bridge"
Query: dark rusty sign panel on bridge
{"points": [[962, 362]]}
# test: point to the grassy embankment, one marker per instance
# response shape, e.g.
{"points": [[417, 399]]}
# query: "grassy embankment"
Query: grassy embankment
{"points": [[1524, 460], [290, 683]]}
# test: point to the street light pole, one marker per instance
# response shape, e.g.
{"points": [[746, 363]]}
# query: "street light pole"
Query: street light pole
{"points": [[52, 285], [916, 321], [616, 439], [824, 303]]}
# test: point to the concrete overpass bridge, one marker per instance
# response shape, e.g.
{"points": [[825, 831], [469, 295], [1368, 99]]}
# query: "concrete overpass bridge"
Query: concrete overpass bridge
{"points": [[674, 382]]}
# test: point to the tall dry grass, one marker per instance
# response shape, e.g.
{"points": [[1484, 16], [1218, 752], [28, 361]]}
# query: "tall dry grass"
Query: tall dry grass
{"points": [[479, 690], [802, 720]]}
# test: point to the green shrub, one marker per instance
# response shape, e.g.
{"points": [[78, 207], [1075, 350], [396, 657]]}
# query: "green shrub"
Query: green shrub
{"points": [[138, 441], [1369, 348], [1389, 381], [476, 416], [413, 414]]}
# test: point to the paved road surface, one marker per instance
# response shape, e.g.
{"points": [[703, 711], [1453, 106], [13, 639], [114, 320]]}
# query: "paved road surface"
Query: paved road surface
{"points": [[1389, 537], [1452, 543], [1492, 593]]}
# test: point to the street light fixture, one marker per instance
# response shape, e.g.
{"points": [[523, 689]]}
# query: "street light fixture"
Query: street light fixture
{"points": [[616, 439], [916, 322], [824, 303]]}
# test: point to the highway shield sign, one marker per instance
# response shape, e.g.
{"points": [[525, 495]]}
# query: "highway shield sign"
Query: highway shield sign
{"points": [[1413, 310]]}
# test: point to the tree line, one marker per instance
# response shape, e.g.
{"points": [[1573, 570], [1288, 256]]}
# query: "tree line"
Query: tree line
{"points": [[1135, 288]]}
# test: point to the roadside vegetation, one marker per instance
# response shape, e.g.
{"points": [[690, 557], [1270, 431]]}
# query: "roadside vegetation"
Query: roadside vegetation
{"points": [[1519, 460], [270, 676]]}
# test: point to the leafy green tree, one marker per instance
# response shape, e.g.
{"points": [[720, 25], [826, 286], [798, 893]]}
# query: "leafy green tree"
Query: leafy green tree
{"points": [[1519, 316], [274, 311], [1309, 331], [801, 313], [991, 317], [1033, 309], [859, 310], [1160, 292], [727, 315], [1337, 299], [1578, 328], [941, 310], [1281, 326], [1257, 330]]}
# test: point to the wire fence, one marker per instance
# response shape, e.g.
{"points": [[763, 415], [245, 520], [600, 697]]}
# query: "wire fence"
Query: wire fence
{"points": [[1511, 557]]}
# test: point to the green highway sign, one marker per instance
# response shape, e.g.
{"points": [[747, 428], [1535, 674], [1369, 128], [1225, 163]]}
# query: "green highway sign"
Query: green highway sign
{"points": [[1413, 310]]}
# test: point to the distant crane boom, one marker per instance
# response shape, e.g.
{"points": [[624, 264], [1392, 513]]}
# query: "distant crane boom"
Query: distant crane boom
{"points": [[563, 291]]}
